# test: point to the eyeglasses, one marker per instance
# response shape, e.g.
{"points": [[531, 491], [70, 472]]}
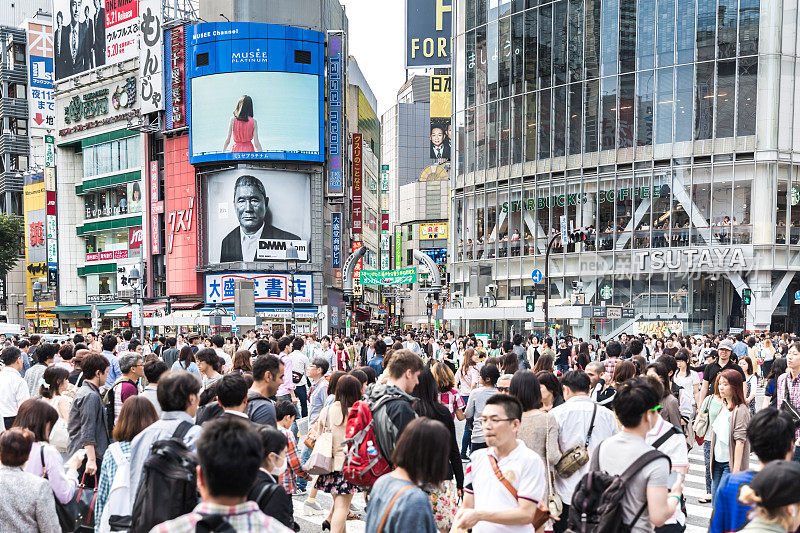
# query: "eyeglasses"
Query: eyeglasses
{"points": [[503, 389], [493, 421]]}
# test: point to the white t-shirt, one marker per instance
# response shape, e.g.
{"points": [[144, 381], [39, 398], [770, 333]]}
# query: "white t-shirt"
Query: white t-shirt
{"points": [[523, 468], [675, 449], [227, 361], [686, 396]]}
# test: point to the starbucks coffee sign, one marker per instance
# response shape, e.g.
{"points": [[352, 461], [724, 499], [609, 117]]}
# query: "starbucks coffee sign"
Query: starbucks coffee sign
{"points": [[603, 196]]}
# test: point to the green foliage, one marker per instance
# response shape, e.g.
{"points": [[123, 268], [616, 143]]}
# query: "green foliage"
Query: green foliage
{"points": [[12, 233]]}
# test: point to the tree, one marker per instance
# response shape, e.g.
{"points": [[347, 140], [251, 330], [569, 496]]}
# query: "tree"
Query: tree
{"points": [[12, 233]]}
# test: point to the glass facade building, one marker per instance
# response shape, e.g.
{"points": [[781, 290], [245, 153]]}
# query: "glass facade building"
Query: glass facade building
{"points": [[665, 127]]}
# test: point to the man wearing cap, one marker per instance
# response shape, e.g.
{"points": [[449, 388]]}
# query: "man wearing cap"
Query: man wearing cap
{"points": [[712, 370]]}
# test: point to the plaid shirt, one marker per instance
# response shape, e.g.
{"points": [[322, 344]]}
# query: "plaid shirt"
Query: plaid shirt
{"points": [[610, 364], [243, 517], [794, 395], [452, 400], [295, 468], [107, 473]]}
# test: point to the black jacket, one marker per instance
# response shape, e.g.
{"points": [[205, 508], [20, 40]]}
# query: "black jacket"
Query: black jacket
{"points": [[232, 243], [391, 412], [272, 499]]}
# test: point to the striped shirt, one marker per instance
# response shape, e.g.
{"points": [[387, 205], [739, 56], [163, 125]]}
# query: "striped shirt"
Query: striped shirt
{"points": [[243, 517]]}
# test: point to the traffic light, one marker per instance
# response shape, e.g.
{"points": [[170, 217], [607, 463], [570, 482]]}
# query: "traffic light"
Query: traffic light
{"points": [[747, 296], [530, 302]]}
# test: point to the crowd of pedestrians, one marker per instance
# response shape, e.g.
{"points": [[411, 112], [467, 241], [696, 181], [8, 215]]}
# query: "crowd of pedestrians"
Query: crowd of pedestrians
{"points": [[215, 434]]}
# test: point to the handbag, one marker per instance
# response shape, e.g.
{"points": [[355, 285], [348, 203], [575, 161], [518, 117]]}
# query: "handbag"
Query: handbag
{"points": [[554, 502], [788, 408], [85, 500], [700, 425], [68, 513], [573, 459], [311, 438], [540, 517], [321, 459]]}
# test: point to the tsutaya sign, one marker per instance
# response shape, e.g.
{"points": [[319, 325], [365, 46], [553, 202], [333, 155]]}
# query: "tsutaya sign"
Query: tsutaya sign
{"points": [[561, 200], [688, 259]]}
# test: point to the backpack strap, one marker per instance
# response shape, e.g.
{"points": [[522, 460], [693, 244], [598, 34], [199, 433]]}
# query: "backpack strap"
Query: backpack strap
{"points": [[673, 430], [637, 465], [214, 523], [389, 507], [591, 426], [181, 431]]}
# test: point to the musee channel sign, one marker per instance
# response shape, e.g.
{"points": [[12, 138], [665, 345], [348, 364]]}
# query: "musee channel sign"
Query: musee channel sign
{"points": [[389, 277]]}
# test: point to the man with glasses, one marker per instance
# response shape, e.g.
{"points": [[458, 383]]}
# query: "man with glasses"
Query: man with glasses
{"points": [[505, 486], [504, 383], [579, 420], [131, 364]]}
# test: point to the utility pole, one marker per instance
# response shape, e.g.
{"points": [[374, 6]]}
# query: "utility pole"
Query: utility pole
{"points": [[546, 308]]}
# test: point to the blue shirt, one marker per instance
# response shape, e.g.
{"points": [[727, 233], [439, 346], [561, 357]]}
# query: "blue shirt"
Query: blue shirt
{"points": [[177, 365], [114, 372], [729, 514], [740, 349], [410, 512], [376, 363]]}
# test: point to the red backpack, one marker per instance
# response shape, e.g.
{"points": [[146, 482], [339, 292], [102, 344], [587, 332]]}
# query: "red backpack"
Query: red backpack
{"points": [[364, 463]]}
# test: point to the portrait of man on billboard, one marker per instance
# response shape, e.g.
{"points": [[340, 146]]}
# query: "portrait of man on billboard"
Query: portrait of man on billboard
{"points": [[440, 141], [251, 203], [80, 44]]}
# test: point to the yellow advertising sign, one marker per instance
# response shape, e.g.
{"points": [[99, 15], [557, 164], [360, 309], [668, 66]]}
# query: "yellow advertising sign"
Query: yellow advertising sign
{"points": [[432, 231], [441, 96], [33, 204], [660, 328]]}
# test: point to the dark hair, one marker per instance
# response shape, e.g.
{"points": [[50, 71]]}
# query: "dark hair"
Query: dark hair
{"points": [[175, 388], [623, 371], [490, 373], [230, 452], [53, 377], [682, 355], [633, 399], [507, 346], [244, 108], [153, 370], [372, 374], [186, 357], [551, 383], [136, 414], [231, 390], [109, 343], [241, 361], [298, 343], [66, 351], [93, 364], [10, 355], [284, 408], [333, 380], [283, 343], [640, 363], [663, 375], [517, 339], [272, 439], [348, 392], [263, 347], [423, 451], [127, 334], [360, 375], [669, 362], [576, 381], [510, 363], [426, 391], [771, 434], [15, 446], [613, 349], [37, 416], [736, 382], [217, 341], [266, 363], [510, 404], [402, 361], [321, 363], [210, 357], [778, 367], [544, 363], [525, 388], [749, 363]]}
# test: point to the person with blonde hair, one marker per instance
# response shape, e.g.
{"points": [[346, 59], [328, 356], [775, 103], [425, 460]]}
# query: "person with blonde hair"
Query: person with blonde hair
{"points": [[775, 491]]}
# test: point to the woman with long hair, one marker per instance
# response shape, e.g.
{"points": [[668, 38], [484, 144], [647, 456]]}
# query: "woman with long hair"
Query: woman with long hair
{"points": [[444, 499], [583, 358], [730, 449], [55, 383], [551, 390], [689, 382], [767, 356], [137, 413], [186, 361], [670, 408], [749, 368], [777, 369], [468, 378], [243, 127], [333, 418], [544, 363], [448, 395], [712, 404], [242, 363], [509, 363]]}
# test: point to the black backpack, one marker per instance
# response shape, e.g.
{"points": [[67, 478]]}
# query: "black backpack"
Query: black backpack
{"points": [[597, 502], [109, 404], [168, 488]]}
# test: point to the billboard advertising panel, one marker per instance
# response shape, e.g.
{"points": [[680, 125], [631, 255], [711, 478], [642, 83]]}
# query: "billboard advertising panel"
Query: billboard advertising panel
{"points": [[92, 34], [335, 122], [269, 288], [175, 95], [440, 118], [41, 105], [151, 60], [256, 214], [428, 32], [256, 92]]}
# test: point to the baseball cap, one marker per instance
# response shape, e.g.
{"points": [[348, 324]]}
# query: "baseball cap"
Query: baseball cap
{"points": [[777, 484], [726, 345]]}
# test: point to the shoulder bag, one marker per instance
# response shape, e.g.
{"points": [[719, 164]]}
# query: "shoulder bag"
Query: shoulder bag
{"points": [[787, 407], [554, 502], [573, 459], [540, 516], [389, 507], [701, 423], [68, 514], [321, 459]]}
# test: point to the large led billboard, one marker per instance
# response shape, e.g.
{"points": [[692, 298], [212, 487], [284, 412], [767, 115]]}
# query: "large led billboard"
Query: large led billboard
{"points": [[255, 215], [256, 92]]}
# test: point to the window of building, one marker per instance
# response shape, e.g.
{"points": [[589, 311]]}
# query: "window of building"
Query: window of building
{"points": [[114, 156], [101, 284]]}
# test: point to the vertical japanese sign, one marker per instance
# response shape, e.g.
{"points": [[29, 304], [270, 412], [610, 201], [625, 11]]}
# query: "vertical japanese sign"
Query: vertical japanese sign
{"points": [[398, 247], [440, 98], [358, 179], [385, 250], [51, 218], [175, 96], [156, 208], [151, 67], [357, 270], [336, 240], [41, 105], [335, 116]]}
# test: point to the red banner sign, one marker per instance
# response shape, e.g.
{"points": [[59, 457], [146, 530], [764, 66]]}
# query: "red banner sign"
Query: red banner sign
{"points": [[105, 256], [135, 238], [358, 179]]}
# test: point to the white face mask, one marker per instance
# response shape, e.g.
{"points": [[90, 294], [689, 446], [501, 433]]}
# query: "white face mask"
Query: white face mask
{"points": [[281, 467]]}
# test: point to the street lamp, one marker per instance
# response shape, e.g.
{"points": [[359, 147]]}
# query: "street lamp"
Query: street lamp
{"points": [[135, 278], [37, 293], [291, 262]]}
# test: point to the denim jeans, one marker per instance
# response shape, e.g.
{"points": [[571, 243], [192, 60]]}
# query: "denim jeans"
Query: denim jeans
{"points": [[707, 457], [305, 453], [302, 394], [796, 454], [466, 440], [718, 472]]}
